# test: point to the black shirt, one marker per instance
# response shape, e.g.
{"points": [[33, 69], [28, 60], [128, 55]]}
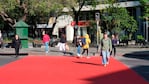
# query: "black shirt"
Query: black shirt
{"points": [[16, 43]]}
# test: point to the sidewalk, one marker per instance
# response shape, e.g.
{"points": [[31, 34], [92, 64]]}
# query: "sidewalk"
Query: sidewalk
{"points": [[92, 51], [40, 51]]}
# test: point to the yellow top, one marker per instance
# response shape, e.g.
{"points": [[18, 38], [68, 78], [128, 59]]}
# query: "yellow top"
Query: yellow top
{"points": [[88, 41]]}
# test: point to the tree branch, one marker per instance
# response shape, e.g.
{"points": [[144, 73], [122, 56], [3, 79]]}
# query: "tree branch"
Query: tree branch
{"points": [[80, 7], [7, 19]]}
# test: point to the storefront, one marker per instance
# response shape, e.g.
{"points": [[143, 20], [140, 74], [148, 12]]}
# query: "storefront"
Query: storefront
{"points": [[82, 27]]}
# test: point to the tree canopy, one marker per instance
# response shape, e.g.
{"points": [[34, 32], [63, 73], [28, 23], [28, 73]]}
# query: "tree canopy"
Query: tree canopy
{"points": [[116, 19], [145, 5], [31, 7]]}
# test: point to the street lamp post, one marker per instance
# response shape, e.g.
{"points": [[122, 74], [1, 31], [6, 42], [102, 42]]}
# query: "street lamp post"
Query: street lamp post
{"points": [[147, 26], [97, 17], [97, 35]]}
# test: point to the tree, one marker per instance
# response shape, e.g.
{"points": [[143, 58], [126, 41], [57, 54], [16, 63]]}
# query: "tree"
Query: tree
{"points": [[131, 27], [145, 5], [75, 7], [117, 19], [14, 10], [6, 6], [11, 10]]}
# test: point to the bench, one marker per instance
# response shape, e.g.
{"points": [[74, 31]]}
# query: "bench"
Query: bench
{"points": [[37, 43]]}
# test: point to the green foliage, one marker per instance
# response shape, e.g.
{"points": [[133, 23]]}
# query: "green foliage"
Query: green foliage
{"points": [[16, 9], [7, 40], [1, 6], [7, 5], [43, 7], [140, 38], [132, 25], [145, 5], [124, 37], [93, 26], [117, 19], [92, 2]]}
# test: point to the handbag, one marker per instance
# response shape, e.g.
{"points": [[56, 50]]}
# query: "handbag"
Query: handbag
{"points": [[67, 47]]}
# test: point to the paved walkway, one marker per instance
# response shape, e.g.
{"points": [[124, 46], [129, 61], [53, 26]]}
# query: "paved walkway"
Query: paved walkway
{"points": [[92, 51]]}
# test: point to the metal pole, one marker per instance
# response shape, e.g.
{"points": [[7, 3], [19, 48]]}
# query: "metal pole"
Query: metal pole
{"points": [[97, 35], [147, 31], [97, 17], [144, 29]]}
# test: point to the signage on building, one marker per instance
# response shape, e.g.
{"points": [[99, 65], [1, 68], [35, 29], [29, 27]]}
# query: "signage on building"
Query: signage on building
{"points": [[44, 26], [49, 25], [41, 25], [80, 23]]}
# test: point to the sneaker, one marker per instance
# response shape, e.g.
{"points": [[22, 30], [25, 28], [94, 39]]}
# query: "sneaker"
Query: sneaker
{"points": [[16, 56], [78, 55], [81, 55], [47, 52], [107, 62], [105, 65]]}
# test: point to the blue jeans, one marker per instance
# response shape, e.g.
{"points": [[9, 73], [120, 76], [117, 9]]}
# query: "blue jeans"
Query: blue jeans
{"points": [[47, 46], [79, 49], [105, 56]]}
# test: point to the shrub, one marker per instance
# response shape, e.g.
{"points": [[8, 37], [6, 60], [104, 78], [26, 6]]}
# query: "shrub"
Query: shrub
{"points": [[124, 38], [140, 38]]}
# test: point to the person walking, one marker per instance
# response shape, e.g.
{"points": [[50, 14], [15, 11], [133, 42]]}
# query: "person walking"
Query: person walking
{"points": [[1, 40], [106, 47], [46, 40], [62, 44], [114, 43], [16, 42], [85, 44], [78, 45]]}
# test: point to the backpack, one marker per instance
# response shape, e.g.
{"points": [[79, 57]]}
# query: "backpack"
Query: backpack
{"points": [[83, 40]]}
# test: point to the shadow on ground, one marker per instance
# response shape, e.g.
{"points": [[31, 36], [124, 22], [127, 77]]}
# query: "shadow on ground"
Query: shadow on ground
{"points": [[143, 71], [138, 55], [67, 52], [89, 63], [122, 77]]}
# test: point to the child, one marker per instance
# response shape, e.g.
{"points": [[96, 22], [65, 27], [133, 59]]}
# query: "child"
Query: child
{"points": [[79, 44], [85, 46]]}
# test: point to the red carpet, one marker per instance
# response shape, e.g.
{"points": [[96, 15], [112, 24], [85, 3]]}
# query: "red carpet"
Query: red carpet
{"points": [[67, 70]]}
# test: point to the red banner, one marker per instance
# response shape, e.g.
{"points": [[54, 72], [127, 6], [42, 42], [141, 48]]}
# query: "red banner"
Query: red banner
{"points": [[81, 23]]}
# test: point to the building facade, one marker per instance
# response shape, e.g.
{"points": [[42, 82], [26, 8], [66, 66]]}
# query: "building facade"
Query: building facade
{"points": [[133, 6]]}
